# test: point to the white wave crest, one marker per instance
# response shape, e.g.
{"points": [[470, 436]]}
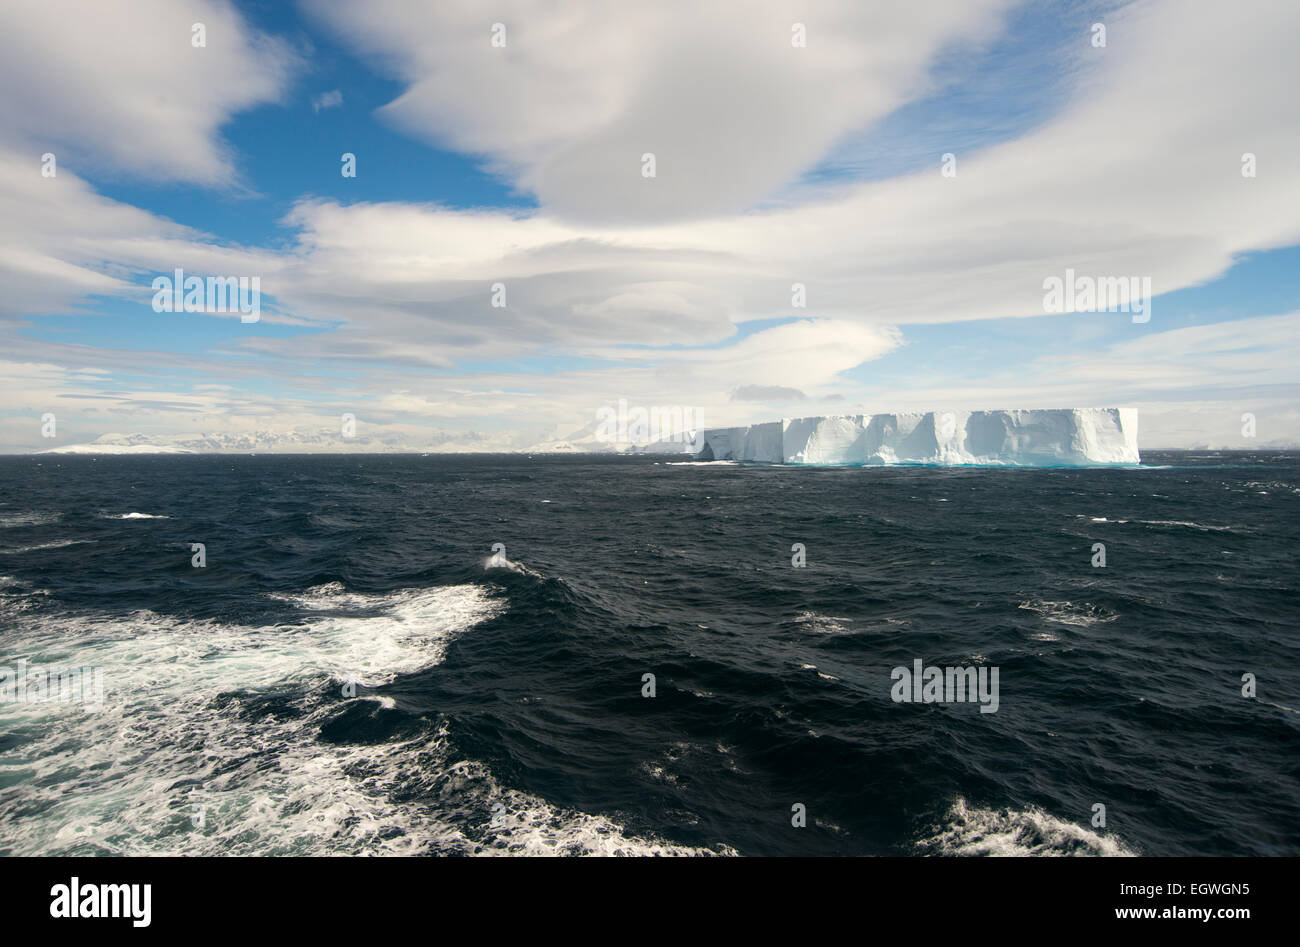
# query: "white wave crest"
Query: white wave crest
{"points": [[1081, 614], [209, 741], [819, 624], [8, 520], [1007, 832], [58, 544]]}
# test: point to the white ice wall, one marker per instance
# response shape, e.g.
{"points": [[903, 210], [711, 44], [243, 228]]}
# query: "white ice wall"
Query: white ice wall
{"points": [[757, 442], [1036, 438]]}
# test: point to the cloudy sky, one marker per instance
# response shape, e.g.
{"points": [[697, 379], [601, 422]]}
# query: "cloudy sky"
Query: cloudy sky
{"points": [[793, 143]]}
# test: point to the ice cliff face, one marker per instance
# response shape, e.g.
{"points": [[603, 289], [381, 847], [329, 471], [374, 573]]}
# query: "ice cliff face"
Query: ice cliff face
{"points": [[1077, 437]]}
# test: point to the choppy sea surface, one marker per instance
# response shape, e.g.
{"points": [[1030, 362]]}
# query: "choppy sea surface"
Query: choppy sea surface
{"points": [[356, 670]]}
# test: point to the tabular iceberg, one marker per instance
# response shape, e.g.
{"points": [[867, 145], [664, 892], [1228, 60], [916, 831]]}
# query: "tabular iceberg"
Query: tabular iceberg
{"points": [[1061, 437]]}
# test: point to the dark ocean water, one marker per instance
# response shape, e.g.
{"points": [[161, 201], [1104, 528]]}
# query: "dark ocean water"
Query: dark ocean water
{"points": [[496, 706]]}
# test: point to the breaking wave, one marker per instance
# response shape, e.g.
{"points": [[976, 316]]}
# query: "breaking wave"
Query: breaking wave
{"points": [[967, 830], [1080, 615], [210, 741]]}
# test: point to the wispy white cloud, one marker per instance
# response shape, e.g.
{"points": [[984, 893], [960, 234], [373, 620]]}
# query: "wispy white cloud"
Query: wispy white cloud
{"points": [[729, 106], [123, 87], [326, 100]]}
